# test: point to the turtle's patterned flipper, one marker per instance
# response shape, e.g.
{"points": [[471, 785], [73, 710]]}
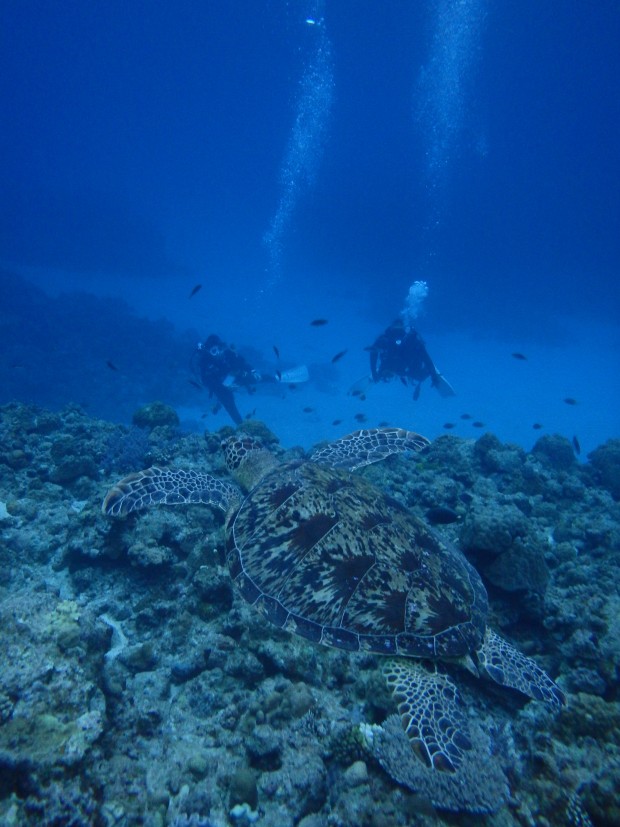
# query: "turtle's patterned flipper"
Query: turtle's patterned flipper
{"points": [[367, 446], [507, 666], [430, 713], [161, 486]]}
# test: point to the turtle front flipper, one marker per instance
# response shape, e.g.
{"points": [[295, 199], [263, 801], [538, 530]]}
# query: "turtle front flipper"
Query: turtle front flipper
{"points": [[161, 486], [507, 666], [430, 713], [367, 446]]}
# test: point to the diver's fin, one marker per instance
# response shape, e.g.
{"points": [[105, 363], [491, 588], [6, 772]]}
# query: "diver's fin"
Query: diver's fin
{"points": [[361, 386], [443, 386], [293, 376]]}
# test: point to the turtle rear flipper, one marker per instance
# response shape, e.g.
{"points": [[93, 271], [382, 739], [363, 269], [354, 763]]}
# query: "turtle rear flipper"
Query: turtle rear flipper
{"points": [[507, 666], [430, 713], [367, 446], [162, 486]]}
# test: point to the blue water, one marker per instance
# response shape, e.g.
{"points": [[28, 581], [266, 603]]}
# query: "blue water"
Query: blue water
{"points": [[313, 160]]}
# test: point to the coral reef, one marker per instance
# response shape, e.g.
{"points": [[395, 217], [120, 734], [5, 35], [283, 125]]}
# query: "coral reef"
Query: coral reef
{"points": [[138, 687]]}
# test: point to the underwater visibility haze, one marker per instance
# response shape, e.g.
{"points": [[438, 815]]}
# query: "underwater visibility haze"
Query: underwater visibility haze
{"points": [[301, 219]]}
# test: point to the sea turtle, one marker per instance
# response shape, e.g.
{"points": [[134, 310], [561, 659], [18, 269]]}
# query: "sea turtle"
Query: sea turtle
{"points": [[323, 553]]}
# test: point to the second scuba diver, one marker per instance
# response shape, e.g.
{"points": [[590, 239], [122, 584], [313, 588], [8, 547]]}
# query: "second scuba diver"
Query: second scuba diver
{"points": [[401, 352]]}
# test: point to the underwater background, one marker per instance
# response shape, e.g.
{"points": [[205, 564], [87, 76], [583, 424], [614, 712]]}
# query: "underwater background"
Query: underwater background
{"points": [[249, 169], [302, 161]]}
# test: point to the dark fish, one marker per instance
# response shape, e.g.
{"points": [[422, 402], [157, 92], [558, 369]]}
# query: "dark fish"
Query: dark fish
{"points": [[318, 322], [466, 498], [308, 409], [336, 421], [416, 393], [477, 424], [195, 290], [338, 356], [384, 423], [195, 384], [449, 425], [403, 380], [292, 387], [16, 365], [576, 445], [363, 397], [279, 375], [360, 417], [570, 401], [356, 392], [439, 515], [111, 365], [251, 414], [519, 356], [537, 426], [276, 351], [466, 416]]}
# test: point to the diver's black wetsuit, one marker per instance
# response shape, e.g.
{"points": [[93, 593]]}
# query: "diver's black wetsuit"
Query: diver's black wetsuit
{"points": [[217, 363], [397, 352]]}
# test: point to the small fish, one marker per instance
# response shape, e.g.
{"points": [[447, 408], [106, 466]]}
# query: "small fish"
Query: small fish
{"points": [[449, 425], [279, 375], [403, 380], [204, 415], [111, 365], [466, 416], [195, 290], [477, 424], [384, 423], [336, 421], [466, 498], [360, 417], [519, 356], [308, 409], [440, 515], [537, 426], [195, 384], [356, 392], [318, 322], [338, 356], [576, 445], [570, 401], [363, 397], [292, 387], [416, 393], [276, 351], [251, 414]]}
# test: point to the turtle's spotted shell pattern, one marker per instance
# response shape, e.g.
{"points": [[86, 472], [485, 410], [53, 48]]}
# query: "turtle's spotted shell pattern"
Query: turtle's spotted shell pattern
{"points": [[328, 556]]}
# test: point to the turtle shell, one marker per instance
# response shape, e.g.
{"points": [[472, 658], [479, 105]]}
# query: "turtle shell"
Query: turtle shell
{"points": [[330, 557]]}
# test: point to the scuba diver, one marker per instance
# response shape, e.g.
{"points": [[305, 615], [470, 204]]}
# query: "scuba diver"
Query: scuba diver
{"points": [[222, 369], [399, 351]]}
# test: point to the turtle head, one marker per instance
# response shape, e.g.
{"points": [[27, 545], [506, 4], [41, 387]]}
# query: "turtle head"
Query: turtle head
{"points": [[247, 459]]}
